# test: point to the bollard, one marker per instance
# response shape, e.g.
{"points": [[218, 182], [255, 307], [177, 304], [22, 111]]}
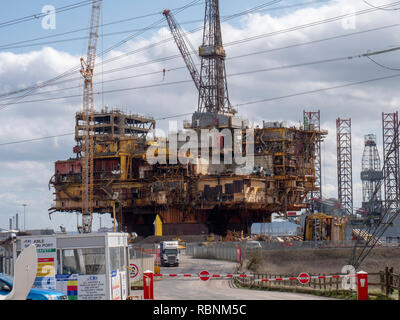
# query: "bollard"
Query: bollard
{"points": [[239, 254], [148, 288], [362, 285]]}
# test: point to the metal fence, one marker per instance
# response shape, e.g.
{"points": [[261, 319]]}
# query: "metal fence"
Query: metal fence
{"points": [[137, 266], [141, 258], [229, 252], [237, 251], [6, 259]]}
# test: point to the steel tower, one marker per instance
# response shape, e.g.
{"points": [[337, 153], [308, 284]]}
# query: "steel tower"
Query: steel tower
{"points": [[312, 121], [371, 175], [390, 124], [213, 93], [344, 164]]}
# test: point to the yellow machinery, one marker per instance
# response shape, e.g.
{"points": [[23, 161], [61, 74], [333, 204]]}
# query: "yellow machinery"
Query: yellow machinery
{"points": [[157, 226], [321, 227]]}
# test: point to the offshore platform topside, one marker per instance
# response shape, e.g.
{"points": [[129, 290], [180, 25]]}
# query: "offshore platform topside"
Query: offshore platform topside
{"points": [[194, 197], [194, 180]]}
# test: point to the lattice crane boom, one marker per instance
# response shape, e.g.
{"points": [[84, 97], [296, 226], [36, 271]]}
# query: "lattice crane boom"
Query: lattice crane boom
{"points": [[213, 95], [87, 72], [181, 42]]}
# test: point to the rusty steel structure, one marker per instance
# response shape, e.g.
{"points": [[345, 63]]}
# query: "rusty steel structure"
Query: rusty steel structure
{"points": [[195, 197], [390, 126], [213, 97], [371, 176], [312, 119], [344, 164], [182, 45]]}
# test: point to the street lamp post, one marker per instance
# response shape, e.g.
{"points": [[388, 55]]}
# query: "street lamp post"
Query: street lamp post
{"points": [[24, 205]]}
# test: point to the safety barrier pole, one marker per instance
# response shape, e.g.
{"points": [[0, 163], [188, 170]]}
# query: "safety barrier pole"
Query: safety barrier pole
{"points": [[148, 288], [362, 285]]}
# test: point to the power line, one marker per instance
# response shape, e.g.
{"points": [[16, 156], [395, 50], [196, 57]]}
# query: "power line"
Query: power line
{"points": [[71, 71], [383, 66], [229, 58], [240, 41], [36, 139], [73, 133], [240, 104], [14, 45], [323, 61], [307, 25], [380, 8], [237, 105], [317, 90], [41, 14]]}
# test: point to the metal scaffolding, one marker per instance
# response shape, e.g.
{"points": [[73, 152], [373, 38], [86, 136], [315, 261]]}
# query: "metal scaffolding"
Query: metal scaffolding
{"points": [[344, 164], [213, 96], [390, 123], [312, 120], [371, 175]]}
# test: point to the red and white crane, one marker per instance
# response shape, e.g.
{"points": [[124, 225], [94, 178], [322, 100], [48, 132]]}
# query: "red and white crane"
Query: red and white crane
{"points": [[87, 72]]}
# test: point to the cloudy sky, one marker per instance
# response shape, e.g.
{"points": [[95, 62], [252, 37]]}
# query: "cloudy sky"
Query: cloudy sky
{"points": [[277, 54]]}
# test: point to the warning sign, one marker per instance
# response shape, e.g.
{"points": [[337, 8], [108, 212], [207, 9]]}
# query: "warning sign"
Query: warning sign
{"points": [[68, 284], [133, 271], [45, 267], [92, 287], [47, 261], [116, 285]]}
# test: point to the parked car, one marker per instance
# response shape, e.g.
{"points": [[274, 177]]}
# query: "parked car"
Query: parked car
{"points": [[253, 245], [6, 285]]}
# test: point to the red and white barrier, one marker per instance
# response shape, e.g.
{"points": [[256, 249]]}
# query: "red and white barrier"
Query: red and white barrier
{"points": [[303, 278], [180, 275], [306, 279]]}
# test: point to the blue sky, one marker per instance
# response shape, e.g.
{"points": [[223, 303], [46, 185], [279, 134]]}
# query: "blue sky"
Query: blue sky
{"points": [[26, 168]]}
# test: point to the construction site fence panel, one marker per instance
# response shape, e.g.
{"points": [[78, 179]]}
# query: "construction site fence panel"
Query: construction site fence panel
{"points": [[143, 251], [6, 260], [229, 250], [220, 251], [138, 265]]}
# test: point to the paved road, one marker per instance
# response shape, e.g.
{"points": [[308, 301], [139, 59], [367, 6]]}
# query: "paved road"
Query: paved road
{"points": [[195, 289]]}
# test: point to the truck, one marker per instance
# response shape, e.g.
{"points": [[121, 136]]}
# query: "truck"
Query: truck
{"points": [[169, 253]]}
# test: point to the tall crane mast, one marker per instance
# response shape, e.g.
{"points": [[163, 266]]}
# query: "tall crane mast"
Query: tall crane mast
{"points": [[180, 41], [213, 95], [87, 71]]}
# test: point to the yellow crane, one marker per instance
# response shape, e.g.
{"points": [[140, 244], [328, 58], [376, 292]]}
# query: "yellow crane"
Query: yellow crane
{"points": [[87, 71]]}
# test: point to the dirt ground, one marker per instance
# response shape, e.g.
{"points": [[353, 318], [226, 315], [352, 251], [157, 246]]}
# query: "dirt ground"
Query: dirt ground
{"points": [[315, 261]]}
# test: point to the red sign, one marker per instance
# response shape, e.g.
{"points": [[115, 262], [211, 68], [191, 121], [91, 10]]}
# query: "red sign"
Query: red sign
{"points": [[304, 278], [45, 259], [133, 271], [204, 275]]}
